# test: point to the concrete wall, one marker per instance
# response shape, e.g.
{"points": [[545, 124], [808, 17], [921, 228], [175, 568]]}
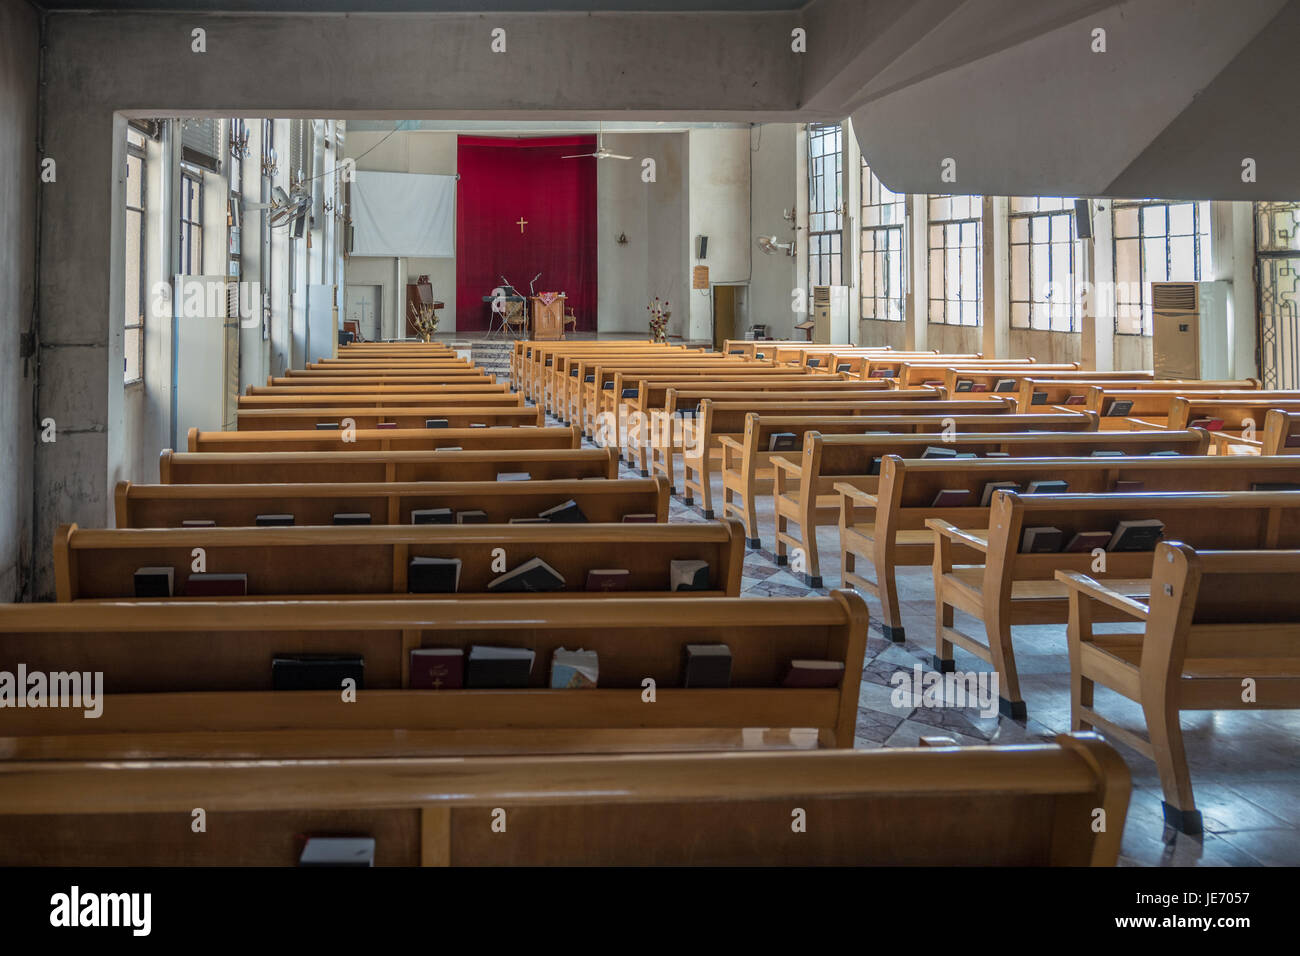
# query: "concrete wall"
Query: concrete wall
{"points": [[19, 71], [776, 185], [719, 209]]}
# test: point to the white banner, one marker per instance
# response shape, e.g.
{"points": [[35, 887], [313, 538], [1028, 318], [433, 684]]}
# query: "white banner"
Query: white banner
{"points": [[404, 214]]}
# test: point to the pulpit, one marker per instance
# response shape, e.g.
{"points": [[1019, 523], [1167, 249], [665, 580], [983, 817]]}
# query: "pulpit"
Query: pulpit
{"points": [[547, 317]]}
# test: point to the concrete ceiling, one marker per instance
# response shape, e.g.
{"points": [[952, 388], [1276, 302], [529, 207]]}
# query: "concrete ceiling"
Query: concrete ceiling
{"points": [[424, 6]]}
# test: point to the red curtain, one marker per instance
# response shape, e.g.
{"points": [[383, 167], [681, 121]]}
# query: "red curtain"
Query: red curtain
{"points": [[503, 181]]}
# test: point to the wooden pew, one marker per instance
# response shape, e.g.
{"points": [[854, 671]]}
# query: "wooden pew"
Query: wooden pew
{"points": [[887, 529], [1236, 414], [1151, 406], [161, 705], [1049, 390], [747, 469], [694, 424], [403, 416], [350, 376], [381, 400], [888, 365], [1281, 433], [846, 360], [916, 374], [346, 562], [389, 388], [530, 358], [804, 492], [391, 503], [985, 381], [1028, 805], [386, 439], [1012, 588], [220, 468], [1214, 620]]}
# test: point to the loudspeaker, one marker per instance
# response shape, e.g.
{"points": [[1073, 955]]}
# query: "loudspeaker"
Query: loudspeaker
{"points": [[701, 247], [1083, 218]]}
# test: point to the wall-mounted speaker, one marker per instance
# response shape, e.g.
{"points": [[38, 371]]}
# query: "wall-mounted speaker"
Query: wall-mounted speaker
{"points": [[701, 247], [1083, 218]]}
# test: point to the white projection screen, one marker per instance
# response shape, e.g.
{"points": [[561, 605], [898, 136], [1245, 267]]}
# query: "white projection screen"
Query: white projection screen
{"points": [[404, 214]]}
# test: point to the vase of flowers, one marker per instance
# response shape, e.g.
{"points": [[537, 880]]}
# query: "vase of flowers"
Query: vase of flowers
{"points": [[659, 316], [425, 321]]}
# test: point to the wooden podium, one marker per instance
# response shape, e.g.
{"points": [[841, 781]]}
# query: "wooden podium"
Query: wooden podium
{"points": [[547, 323]]}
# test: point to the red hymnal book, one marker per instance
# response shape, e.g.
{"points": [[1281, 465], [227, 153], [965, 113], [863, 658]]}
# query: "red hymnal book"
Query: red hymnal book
{"points": [[1209, 424], [1293, 440], [205, 584], [951, 498], [386, 425], [1076, 400], [607, 579], [639, 519], [1086, 541], [808, 673], [437, 668], [1129, 487], [980, 387]]}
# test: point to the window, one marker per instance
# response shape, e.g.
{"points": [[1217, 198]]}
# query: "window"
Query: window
{"points": [[825, 205], [1155, 241], [883, 270], [1277, 268], [191, 262], [1042, 264], [956, 279], [133, 340]]}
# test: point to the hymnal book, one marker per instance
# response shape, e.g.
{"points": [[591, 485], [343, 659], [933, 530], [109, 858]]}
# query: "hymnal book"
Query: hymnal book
{"points": [[1005, 385], [707, 665], [630, 393], [932, 383], [1166, 453], [1118, 406], [782, 441], [1140, 534], [437, 668], [338, 851], [589, 377], [449, 448], [327, 426], [882, 373], [208, 584], [874, 468], [529, 521], [153, 582], [935, 451], [1052, 486], [1087, 541], [608, 385], [1129, 487], [964, 385], [198, 523], [997, 454], [385, 424], [1272, 486], [814, 363], [1293, 440], [489, 666], [533, 575], [1076, 400], [986, 497], [689, 575], [472, 517], [485, 425], [1209, 424], [843, 366], [640, 519], [965, 454], [351, 517], [432, 516], [608, 579], [1106, 453], [574, 670], [566, 512], [951, 498], [274, 521], [514, 476], [433, 575], [1041, 540], [810, 673], [573, 373], [316, 671], [980, 387], [1038, 398], [436, 423]]}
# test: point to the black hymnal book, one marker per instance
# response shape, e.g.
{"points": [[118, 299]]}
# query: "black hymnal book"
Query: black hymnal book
{"points": [[1265, 486], [986, 496], [814, 363], [1043, 540], [782, 441], [153, 582], [964, 385], [1136, 535], [341, 517], [874, 468], [935, 451], [1118, 406], [316, 671], [1103, 453], [631, 392], [573, 373], [274, 521], [590, 378], [433, 575], [843, 366], [1038, 398], [514, 476], [327, 426], [608, 385], [1053, 486], [198, 523], [472, 517], [488, 666], [566, 513], [435, 423], [432, 516], [1005, 385], [533, 575], [707, 665], [338, 851]]}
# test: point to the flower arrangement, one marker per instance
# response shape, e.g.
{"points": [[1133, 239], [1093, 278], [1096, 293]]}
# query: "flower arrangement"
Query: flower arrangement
{"points": [[425, 321], [659, 316]]}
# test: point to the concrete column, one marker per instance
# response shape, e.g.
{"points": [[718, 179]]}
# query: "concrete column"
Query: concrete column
{"points": [[1232, 257], [918, 273], [996, 264], [1097, 314]]}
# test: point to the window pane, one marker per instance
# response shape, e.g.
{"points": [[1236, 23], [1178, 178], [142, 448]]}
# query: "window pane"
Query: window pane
{"points": [[135, 181], [1182, 219], [1153, 220], [134, 252]]}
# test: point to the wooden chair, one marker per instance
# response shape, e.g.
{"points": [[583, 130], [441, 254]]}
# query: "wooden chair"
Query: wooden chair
{"points": [[1222, 632], [498, 438], [403, 416]]}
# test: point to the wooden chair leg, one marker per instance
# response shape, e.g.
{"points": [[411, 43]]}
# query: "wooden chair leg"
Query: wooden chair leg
{"points": [[998, 634], [891, 615], [1078, 630], [1171, 761], [943, 661], [808, 533], [704, 474]]}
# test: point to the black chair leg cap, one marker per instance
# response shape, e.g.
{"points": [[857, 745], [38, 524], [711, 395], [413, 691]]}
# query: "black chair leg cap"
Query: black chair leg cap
{"points": [[944, 665], [1015, 709], [753, 543], [1184, 821], [894, 634]]}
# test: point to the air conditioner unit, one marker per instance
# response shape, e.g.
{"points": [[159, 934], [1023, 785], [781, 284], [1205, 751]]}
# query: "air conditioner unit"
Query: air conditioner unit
{"points": [[830, 314], [1191, 329]]}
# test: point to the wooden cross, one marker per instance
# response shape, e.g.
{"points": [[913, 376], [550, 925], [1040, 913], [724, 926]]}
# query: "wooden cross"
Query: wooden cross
{"points": [[521, 223]]}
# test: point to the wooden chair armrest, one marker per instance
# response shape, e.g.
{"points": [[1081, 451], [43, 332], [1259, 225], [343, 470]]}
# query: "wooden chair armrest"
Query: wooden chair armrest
{"points": [[726, 441], [785, 464], [860, 498], [1094, 589], [949, 530]]}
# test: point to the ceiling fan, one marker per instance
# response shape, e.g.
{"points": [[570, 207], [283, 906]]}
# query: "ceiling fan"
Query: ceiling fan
{"points": [[601, 152], [284, 206]]}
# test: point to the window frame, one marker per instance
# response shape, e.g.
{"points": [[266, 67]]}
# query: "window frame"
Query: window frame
{"points": [[1198, 234], [1030, 217], [190, 229], [873, 199], [825, 245], [946, 224], [137, 151]]}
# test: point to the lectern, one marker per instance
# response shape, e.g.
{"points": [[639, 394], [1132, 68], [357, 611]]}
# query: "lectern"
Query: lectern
{"points": [[547, 317]]}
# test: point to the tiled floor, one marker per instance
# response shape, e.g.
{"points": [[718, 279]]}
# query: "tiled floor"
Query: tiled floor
{"points": [[1245, 766]]}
